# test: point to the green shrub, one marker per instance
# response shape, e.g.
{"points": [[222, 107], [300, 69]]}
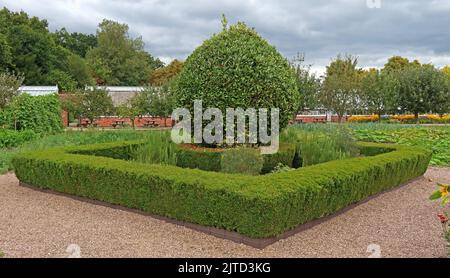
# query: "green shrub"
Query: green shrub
{"points": [[199, 158], [237, 68], [12, 138], [255, 206], [210, 159], [284, 156], [248, 161], [41, 114], [280, 168]]}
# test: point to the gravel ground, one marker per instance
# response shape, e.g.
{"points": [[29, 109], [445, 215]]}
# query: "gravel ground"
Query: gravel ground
{"points": [[402, 222]]}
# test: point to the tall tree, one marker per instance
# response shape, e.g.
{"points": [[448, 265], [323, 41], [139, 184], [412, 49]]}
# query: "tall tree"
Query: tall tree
{"points": [[396, 63], [79, 70], [378, 91], [78, 43], [308, 84], [119, 59], [446, 70], [165, 74], [5, 53], [32, 53], [95, 103], [422, 89], [341, 85]]}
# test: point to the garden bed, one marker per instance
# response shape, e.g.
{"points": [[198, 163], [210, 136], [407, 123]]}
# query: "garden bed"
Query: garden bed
{"points": [[258, 207]]}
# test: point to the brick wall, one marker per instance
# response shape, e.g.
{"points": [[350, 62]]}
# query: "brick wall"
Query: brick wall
{"points": [[316, 119], [108, 122], [65, 118]]}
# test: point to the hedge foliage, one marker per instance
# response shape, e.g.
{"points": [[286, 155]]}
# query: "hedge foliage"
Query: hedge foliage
{"points": [[203, 158], [255, 206], [11, 138], [211, 159], [285, 155], [248, 161], [41, 114], [238, 68]]}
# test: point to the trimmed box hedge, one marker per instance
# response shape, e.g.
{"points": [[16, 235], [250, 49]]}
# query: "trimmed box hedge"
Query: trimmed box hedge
{"points": [[210, 160], [254, 206]]}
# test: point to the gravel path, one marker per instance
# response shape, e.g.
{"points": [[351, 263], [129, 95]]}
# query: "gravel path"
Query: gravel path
{"points": [[402, 222]]}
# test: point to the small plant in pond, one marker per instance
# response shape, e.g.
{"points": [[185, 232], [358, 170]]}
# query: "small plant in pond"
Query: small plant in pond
{"points": [[444, 198], [320, 143], [247, 161], [280, 168], [158, 149]]}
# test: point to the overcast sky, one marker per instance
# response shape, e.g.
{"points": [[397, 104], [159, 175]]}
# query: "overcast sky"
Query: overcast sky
{"points": [[373, 30]]}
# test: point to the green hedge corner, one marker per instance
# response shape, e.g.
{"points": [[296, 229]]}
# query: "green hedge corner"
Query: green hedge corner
{"points": [[255, 206]]}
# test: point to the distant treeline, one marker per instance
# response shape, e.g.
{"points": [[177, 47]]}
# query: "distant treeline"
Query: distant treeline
{"points": [[74, 60]]}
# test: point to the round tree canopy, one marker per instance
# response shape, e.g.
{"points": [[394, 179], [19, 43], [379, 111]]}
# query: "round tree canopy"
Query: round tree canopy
{"points": [[237, 68]]}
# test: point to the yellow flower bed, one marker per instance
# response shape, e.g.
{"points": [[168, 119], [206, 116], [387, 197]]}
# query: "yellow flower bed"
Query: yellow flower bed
{"points": [[365, 118], [438, 118], [402, 117]]}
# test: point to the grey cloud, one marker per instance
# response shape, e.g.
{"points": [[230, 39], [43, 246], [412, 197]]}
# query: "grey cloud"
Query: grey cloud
{"points": [[321, 29]]}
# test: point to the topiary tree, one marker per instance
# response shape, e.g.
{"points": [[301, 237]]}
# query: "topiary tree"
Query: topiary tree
{"points": [[238, 68]]}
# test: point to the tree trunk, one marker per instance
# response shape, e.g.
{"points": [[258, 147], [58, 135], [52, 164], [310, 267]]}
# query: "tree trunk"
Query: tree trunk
{"points": [[379, 117], [79, 122], [416, 117]]}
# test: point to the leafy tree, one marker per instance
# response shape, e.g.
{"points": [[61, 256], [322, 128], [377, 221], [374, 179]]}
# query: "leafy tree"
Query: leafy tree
{"points": [[165, 74], [396, 63], [32, 53], [8, 19], [79, 71], [118, 59], [64, 80], [72, 103], [5, 53], [9, 85], [238, 68], [78, 43], [308, 85], [30, 48], [446, 71], [378, 91], [162, 101], [95, 103], [341, 86], [422, 89]]}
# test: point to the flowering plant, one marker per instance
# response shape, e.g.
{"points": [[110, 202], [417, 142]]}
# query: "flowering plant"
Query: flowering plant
{"points": [[443, 196], [364, 118]]}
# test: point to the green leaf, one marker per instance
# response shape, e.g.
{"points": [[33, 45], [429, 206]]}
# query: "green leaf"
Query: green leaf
{"points": [[436, 195]]}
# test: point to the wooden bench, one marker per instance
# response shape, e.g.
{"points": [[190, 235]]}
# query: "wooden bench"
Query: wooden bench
{"points": [[117, 123], [150, 123]]}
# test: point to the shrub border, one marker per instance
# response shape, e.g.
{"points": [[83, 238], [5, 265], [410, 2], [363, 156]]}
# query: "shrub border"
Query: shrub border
{"points": [[254, 207]]}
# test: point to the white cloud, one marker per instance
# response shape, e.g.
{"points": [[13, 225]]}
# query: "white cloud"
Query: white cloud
{"points": [[319, 28]]}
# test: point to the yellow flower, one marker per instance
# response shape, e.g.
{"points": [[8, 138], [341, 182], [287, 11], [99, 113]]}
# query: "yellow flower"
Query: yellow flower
{"points": [[444, 191]]}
